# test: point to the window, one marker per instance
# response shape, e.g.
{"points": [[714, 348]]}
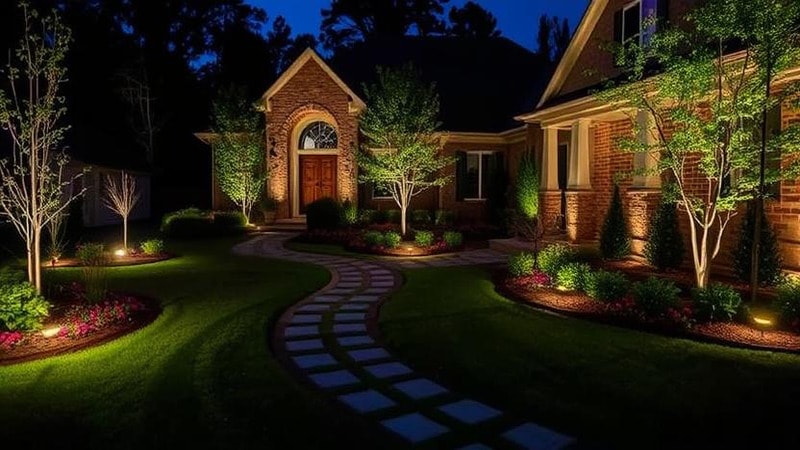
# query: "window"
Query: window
{"points": [[632, 23], [475, 173], [381, 193], [318, 135]]}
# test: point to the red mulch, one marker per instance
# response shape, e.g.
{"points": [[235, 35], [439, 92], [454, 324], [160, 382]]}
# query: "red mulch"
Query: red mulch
{"points": [[115, 261], [35, 346]]}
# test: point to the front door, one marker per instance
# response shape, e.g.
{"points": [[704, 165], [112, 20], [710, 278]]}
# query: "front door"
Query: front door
{"points": [[317, 178]]}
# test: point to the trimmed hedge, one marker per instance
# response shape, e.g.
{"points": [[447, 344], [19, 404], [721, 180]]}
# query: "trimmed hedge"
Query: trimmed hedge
{"points": [[324, 214]]}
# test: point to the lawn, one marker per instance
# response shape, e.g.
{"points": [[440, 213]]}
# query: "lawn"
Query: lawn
{"points": [[611, 386], [200, 376]]}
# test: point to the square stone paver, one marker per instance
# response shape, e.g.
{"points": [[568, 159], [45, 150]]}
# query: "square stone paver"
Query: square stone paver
{"points": [[328, 298], [307, 330], [415, 427], [306, 318], [314, 361], [388, 370], [350, 279], [349, 328], [348, 284], [354, 307], [365, 298], [420, 388], [304, 345], [380, 284], [351, 341], [313, 308], [335, 379], [469, 411], [366, 401], [534, 437], [376, 290], [368, 354], [349, 317]]}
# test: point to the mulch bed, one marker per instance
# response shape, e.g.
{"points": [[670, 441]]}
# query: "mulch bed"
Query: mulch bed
{"points": [[579, 305], [115, 261], [405, 249], [36, 346]]}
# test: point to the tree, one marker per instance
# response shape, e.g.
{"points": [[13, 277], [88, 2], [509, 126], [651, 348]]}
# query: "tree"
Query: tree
{"points": [[615, 242], [769, 261], [701, 108], [401, 152], [121, 198], [553, 37], [664, 245], [239, 150], [143, 119], [32, 192], [471, 20]]}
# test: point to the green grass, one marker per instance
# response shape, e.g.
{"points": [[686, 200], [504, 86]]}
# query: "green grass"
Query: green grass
{"points": [[608, 385], [201, 376]]}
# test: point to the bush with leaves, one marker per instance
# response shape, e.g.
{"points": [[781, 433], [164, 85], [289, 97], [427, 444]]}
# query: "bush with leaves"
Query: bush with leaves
{"points": [[788, 303], [152, 247], [421, 217], [423, 238], [527, 188], [323, 214], [443, 217], [187, 223], [392, 239], [349, 213], [367, 216], [21, 307], [521, 264], [716, 302], [654, 297], [664, 246], [453, 239], [615, 242], [229, 221], [573, 276], [373, 238], [769, 255], [553, 257], [607, 286]]}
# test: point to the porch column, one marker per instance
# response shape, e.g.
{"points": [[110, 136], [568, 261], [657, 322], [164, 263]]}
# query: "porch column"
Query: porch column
{"points": [[646, 162], [550, 195], [581, 208]]}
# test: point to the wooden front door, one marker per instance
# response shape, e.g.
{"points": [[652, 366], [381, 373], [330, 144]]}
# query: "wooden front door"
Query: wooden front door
{"points": [[317, 178]]}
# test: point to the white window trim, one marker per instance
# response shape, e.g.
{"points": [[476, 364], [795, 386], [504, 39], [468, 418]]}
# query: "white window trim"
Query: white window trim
{"points": [[638, 36], [480, 153]]}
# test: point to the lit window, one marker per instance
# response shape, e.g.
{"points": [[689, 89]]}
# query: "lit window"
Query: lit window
{"points": [[318, 135]]}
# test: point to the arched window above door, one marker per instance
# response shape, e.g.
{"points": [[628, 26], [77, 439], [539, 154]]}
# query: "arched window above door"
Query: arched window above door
{"points": [[318, 135]]}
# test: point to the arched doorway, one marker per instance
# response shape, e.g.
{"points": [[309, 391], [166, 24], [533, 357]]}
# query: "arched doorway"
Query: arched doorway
{"points": [[315, 163]]}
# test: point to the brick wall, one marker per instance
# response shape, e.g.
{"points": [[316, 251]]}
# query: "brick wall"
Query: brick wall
{"points": [[465, 210]]}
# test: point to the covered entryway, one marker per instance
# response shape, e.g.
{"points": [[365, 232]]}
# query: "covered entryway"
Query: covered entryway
{"points": [[317, 178]]}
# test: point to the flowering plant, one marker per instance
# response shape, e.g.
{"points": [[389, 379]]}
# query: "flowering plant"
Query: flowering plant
{"points": [[83, 320], [9, 339]]}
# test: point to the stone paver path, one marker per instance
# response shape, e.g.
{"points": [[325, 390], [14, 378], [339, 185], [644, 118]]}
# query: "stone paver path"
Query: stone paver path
{"points": [[331, 340]]}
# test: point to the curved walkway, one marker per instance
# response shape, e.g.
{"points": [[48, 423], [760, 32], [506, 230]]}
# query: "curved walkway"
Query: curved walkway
{"points": [[332, 342]]}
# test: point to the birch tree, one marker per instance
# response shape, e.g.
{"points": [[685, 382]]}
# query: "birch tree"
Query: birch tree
{"points": [[33, 186], [142, 115], [121, 197], [402, 149]]}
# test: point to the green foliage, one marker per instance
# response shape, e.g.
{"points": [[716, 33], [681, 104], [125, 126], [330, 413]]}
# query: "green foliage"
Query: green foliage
{"points": [[615, 243], [323, 214], [392, 239], [393, 215], [423, 238], [94, 272], [153, 247], [367, 216], [769, 255], [421, 217], [655, 296], [453, 239], [192, 212], [607, 286], [21, 307], [716, 302], [521, 264], [664, 246], [373, 238], [527, 188], [349, 213], [443, 217], [381, 216], [553, 257], [401, 120], [229, 220], [788, 302], [573, 276], [239, 153]]}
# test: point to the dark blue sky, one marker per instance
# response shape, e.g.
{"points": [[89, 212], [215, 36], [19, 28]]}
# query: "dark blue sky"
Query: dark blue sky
{"points": [[517, 19]]}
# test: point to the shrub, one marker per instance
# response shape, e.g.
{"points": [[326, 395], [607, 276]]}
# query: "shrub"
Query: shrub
{"points": [[655, 296], [21, 307], [788, 303], [373, 238], [553, 257], [527, 188], [717, 302], [573, 276], [366, 216], [421, 216], [191, 212], [381, 216], [614, 240], [93, 260], [769, 256], [453, 239], [152, 247], [227, 221], [392, 239], [187, 223], [393, 215], [521, 264], [607, 286], [443, 217], [324, 214], [664, 246], [349, 213], [423, 238]]}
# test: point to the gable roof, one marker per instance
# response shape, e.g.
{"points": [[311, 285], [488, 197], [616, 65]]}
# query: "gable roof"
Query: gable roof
{"points": [[567, 63], [356, 104], [482, 83]]}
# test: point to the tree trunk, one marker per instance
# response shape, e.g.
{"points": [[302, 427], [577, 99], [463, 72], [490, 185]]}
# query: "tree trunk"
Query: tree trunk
{"points": [[125, 234], [37, 258], [403, 209]]}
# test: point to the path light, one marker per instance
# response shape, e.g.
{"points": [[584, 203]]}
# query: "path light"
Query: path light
{"points": [[120, 252], [762, 323], [51, 332]]}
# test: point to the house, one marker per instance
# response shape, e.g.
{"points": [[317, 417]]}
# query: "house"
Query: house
{"points": [[93, 207], [312, 121], [576, 137]]}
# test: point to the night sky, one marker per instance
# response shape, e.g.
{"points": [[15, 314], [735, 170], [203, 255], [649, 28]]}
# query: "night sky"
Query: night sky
{"points": [[517, 19]]}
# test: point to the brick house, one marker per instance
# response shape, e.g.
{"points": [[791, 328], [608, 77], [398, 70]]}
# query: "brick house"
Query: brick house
{"points": [[576, 138]]}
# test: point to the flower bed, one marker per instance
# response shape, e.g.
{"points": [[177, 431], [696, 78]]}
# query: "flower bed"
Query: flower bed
{"points": [[385, 240]]}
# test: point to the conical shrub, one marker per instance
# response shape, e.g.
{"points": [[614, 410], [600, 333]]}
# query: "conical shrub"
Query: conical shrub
{"points": [[664, 246], [615, 242], [769, 256]]}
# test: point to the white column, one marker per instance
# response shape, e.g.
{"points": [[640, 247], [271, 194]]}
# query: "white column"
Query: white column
{"points": [[579, 159], [550, 160], [646, 161]]}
